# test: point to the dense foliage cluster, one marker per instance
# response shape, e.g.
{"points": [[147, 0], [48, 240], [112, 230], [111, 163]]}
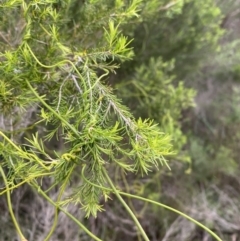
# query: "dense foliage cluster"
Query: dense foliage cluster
{"points": [[95, 95]]}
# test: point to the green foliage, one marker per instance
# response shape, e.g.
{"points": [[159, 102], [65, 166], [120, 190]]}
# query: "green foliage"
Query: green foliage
{"points": [[151, 93], [66, 85], [74, 99], [188, 35], [56, 58]]}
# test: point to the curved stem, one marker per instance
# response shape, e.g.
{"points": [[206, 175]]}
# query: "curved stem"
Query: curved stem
{"points": [[87, 90], [126, 206], [57, 64], [125, 183], [156, 203], [10, 206], [27, 179], [174, 210], [55, 221], [52, 110], [66, 212]]}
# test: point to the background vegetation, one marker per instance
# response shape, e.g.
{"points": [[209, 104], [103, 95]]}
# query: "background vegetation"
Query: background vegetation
{"points": [[105, 67]]}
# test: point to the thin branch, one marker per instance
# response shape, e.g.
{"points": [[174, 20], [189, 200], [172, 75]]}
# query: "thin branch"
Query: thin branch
{"points": [[10, 206], [60, 92], [90, 88], [66, 212], [76, 84], [115, 191], [126, 206]]}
